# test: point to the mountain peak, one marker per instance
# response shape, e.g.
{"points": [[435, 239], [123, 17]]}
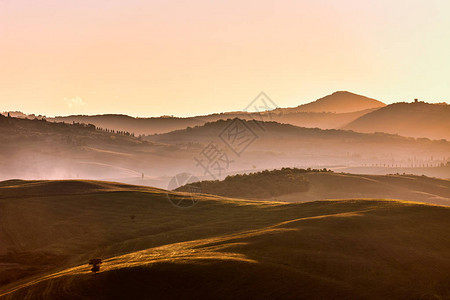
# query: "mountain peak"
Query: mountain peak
{"points": [[341, 102], [343, 92]]}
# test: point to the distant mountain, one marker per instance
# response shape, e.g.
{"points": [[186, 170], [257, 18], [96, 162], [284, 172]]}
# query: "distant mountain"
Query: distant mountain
{"points": [[338, 102], [160, 125], [21, 115], [407, 119], [267, 145], [322, 120], [38, 149], [330, 112], [131, 124]]}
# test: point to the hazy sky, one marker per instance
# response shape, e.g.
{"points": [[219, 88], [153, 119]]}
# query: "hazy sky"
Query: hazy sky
{"points": [[149, 58]]}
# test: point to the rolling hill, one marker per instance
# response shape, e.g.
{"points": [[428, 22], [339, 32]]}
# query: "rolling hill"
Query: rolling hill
{"points": [[290, 184], [407, 119], [220, 248], [37, 149]]}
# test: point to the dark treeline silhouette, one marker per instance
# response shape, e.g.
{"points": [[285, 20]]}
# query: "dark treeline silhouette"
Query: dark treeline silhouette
{"points": [[258, 185], [115, 131], [71, 131]]}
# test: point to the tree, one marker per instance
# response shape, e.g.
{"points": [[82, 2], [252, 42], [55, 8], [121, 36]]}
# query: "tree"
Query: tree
{"points": [[95, 262]]}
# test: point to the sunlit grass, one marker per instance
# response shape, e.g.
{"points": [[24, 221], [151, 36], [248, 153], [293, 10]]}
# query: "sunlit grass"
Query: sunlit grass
{"points": [[337, 246]]}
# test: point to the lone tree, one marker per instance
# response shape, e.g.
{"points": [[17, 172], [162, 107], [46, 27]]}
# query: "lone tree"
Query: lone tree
{"points": [[95, 262]]}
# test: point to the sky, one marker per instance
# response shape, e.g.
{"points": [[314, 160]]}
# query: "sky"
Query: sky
{"points": [[184, 58]]}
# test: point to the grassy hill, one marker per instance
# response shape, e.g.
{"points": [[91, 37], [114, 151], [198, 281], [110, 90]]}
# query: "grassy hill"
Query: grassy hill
{"points": [[258, 185], [408, 119], [343, 186], [293, 184], [220, 248]]}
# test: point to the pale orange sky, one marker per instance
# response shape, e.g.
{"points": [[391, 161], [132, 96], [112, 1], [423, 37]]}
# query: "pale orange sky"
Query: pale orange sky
{"points": [[151, 58]]}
